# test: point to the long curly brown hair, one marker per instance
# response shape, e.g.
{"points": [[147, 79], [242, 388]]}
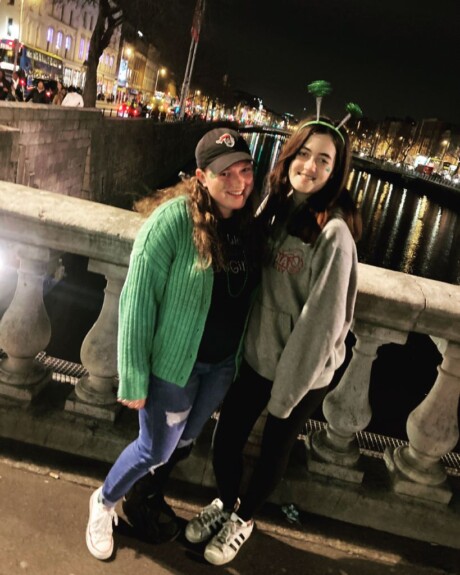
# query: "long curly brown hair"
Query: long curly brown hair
{"points": [[310, 217], [210, 246]]}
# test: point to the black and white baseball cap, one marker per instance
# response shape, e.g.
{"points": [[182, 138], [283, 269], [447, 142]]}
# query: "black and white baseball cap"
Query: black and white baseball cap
{"points": [[220, 148]]}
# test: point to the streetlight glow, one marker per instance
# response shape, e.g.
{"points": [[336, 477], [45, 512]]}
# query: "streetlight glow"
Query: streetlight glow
{"points": [[161, 71], [445, 144]]}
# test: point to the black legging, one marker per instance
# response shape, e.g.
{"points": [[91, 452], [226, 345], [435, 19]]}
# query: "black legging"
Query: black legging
{"points": [[245, 401]]}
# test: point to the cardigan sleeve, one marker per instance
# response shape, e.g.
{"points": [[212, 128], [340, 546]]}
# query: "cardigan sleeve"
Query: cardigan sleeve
{"points": [[151, 258], [325, 316]]}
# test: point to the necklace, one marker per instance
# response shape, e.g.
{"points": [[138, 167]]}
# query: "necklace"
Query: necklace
{"points": [[236, 258], [242, 266], [240, 291]]}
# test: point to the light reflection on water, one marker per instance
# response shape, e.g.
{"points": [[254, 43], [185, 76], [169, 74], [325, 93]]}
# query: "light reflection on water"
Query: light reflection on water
{"points": [[412, 244], [393, 235], [406, 231]]}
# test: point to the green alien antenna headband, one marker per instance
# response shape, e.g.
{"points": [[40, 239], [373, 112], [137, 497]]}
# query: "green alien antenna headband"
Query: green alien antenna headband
{"points": [[320, 88]]}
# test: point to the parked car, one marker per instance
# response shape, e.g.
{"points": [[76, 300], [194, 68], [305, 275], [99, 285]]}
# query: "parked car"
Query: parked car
{"points": [[129, 110], [134, 110]]}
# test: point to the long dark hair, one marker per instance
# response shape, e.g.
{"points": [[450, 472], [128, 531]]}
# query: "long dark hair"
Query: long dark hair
{"points": [[310, 217]]}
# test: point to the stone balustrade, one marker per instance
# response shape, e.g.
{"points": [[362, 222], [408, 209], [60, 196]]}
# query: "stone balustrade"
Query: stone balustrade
{"points": [[35, 222], [36, 226]]}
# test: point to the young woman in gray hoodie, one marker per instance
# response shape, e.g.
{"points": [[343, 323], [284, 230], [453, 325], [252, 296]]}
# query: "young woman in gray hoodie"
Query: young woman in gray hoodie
{"points": [[296, 333]]}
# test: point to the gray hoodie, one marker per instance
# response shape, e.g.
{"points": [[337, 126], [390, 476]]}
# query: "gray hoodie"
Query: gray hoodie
{"points": [[297, 329]]}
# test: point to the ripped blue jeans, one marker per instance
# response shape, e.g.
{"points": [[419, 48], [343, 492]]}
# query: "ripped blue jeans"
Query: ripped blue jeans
{"points": [[172, 416]]}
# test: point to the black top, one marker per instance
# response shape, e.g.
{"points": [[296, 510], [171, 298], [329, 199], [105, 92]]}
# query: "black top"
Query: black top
{"points": [[230, 300], [37, 97]]}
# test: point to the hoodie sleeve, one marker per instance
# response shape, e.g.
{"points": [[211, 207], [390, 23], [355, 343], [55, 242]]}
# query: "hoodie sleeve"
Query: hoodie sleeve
{"points": [[321, 328]]}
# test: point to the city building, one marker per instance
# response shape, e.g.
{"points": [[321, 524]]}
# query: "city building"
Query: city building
{"points": [[51, 38]]}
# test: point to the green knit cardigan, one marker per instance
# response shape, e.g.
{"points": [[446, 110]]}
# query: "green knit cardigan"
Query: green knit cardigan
{"points": [[164, 303]]}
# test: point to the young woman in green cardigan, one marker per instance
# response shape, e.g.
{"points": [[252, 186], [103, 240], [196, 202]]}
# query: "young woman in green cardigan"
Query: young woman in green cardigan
{"points": [[183, 308]]}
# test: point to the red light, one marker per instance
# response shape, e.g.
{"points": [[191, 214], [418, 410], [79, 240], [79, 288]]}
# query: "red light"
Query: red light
{"points": [[22, 82]]}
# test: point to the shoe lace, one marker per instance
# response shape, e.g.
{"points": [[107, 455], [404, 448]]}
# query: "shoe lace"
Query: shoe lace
{"points": [[209, 515], [228, 530]]}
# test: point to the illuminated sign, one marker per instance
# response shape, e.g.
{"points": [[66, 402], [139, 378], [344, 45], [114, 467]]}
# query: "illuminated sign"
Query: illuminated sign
{"points": [[123, 72]]}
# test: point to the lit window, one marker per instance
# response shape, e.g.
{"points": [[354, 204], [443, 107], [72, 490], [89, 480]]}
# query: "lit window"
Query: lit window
{"points": [[81, 50], [59, 40], [49, 36], [68, 42]]}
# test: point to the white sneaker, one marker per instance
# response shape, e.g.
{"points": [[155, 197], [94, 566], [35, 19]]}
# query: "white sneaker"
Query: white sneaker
{"points": [[99, 538], [225, 545], [207, 523]]}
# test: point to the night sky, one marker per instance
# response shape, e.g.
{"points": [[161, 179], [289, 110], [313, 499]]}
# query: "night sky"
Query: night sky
{"points": [[395, 58]]}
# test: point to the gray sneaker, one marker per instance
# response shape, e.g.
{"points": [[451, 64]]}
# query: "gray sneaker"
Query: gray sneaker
{"points": [[207, 523]]}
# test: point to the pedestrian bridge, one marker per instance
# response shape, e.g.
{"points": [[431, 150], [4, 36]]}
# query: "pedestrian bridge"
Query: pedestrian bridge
{"points": [[410, 490]]}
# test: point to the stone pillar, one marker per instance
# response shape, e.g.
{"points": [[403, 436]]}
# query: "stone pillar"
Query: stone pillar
{"points": [[25, 328], [334, 451], [432, 429], [95, 393]]}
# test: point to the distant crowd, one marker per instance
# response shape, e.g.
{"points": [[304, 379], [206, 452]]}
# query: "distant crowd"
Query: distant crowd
{"points": [[43, 91]]}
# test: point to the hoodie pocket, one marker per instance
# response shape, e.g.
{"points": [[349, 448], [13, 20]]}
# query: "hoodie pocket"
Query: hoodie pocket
{"points": [[267, 335]]}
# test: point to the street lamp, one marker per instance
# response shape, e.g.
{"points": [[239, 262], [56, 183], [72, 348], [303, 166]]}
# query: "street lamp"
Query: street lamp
{"points": [[196, 95], [161, 71], [18, 40], [445, 144]]}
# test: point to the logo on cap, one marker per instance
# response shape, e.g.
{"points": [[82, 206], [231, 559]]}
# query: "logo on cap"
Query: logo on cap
{"points": [[226, 139]]}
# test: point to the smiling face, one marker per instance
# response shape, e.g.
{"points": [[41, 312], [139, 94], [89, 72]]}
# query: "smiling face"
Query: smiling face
{"points": [[313, 164], [230, 188]]}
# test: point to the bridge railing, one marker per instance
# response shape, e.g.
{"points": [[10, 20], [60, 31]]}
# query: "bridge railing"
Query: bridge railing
{"points": [[36, 227]]}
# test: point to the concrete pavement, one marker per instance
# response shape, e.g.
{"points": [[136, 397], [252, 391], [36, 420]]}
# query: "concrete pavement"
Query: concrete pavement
{"points": [[43, 513]]}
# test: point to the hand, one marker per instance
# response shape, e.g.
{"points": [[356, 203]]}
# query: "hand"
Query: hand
{"points": [[133, 403]]}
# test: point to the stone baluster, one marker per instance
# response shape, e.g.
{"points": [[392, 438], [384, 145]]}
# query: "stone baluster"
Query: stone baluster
{"points": [[432, 429], [334, 451], [25, 328], [95, 392]]}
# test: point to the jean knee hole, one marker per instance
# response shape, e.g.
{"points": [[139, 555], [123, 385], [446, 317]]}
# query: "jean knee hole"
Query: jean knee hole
{"points": [[176, 417]]}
